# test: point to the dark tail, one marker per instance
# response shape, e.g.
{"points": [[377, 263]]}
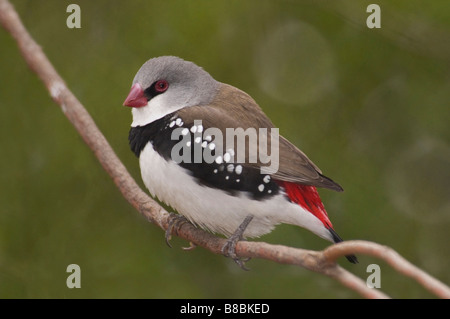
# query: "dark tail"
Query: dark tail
{"points": [[337, 239]]}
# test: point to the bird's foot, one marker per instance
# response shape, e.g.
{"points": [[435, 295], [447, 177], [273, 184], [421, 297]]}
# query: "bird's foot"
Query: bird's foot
{"points": [[175, 222], [229, 249]]}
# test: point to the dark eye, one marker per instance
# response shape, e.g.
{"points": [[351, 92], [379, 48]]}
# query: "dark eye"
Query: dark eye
{"points": [[161, 86]]}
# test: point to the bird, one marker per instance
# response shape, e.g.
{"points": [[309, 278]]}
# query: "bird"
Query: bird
{"points": [[179, 111]]}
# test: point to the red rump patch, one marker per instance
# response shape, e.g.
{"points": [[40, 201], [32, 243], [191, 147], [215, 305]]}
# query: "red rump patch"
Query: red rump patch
{"points": [[307, 197]]}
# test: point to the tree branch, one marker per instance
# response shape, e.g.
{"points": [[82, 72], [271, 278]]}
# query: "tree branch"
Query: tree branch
{"points": [[320, 262]]}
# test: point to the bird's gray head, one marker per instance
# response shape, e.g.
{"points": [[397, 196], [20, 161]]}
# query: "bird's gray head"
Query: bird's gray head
{"points": [[166, 84]]}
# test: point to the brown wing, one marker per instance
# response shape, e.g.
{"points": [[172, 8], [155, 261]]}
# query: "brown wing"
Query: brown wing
{"points": [[296, 167], [233, 108]]}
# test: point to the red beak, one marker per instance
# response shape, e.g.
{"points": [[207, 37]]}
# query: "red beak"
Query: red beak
{"points": [[136, 97]]}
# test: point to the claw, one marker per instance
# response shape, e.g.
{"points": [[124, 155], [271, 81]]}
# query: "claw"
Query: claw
{"points": [[191, 246], [175, 222], [229, 249]]}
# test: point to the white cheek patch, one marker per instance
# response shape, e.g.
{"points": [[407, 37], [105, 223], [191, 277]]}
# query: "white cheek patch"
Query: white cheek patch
{"points": [[155, 109]]}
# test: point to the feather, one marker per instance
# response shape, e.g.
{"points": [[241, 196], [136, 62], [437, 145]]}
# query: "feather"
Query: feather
{"points": [[233, 108]]}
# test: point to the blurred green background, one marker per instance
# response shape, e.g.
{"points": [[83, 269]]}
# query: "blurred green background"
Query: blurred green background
{"points": [[369, 106]]}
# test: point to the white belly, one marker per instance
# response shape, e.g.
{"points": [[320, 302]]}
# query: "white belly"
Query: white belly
{"points": [[214, 209]]}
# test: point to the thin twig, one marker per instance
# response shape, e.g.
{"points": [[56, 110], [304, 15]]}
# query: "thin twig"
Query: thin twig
{"points": [[392, 258], [320, 262]]}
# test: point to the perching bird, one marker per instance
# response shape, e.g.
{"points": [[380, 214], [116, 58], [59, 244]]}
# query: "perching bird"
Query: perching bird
{"points": [[179, 111]]}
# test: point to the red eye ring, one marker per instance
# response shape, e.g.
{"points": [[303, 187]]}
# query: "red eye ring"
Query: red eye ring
{"points": [[161, 86]]}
